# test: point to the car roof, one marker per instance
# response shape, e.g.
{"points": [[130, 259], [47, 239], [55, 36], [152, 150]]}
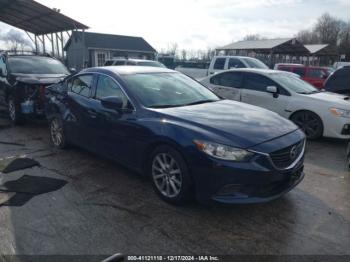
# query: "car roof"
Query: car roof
{"points": [[129, 70], [255, 70], [134, 60], [234, 56]]}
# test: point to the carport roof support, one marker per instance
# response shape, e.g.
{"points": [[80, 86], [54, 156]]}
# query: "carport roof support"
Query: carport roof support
{"points": [[36, 18]]}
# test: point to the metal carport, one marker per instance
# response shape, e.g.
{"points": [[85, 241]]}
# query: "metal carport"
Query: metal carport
{"points": [[43, 22]]}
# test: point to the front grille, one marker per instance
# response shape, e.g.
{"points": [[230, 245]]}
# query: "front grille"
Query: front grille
{"points": [[285, 157]]}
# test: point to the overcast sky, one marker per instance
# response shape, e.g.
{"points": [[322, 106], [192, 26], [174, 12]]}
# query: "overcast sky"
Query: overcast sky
{"points": [[198, 24]]}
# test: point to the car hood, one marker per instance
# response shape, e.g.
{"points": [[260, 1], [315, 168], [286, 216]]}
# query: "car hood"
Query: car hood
{"points": [[242, 124], [43, 79], [331, 98]]}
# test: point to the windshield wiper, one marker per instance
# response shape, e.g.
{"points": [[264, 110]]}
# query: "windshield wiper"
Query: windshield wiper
{"points": [[201, 102]]}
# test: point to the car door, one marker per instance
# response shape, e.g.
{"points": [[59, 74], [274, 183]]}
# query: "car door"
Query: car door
{"points": [[80, 120], [3, 79], [227, 85], [118, 132], [255, 92]]}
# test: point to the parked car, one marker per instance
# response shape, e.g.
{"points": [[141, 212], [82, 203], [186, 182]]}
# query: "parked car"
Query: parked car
{"points": [[316, 113], [221, 63], [339, 81], [314, 75], [173, 129], [133, 62], [23, 78], [338, 65]]}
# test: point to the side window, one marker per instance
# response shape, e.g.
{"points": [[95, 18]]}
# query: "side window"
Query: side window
{"points": [[228, 79], [109, 63], [119, 63], [299, 71], [235, 63], [315, 73], [258, 82], [284, 68], [106, 86], [81, 85], [220, 63], [3, 65]]}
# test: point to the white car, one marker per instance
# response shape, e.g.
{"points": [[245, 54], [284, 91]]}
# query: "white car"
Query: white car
{"points": [[316, 113]]}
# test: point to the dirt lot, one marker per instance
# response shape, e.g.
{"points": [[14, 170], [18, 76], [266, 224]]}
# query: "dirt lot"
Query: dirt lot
{"points": [[105, 208]]}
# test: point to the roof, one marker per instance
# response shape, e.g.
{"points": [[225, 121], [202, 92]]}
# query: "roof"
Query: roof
{"points": [[279, 46], [36, 18], [116, 42], [256, 44], [315, 48], [127, 70]]}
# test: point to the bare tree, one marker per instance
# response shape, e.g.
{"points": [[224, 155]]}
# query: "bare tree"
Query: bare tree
{"points": [[307, 37], [16, 40], [252, 37], [328, 29], [172, 48], [183, 54]]}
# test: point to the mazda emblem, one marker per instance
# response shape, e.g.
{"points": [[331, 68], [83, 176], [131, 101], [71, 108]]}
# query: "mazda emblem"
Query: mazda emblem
{"points": [[293, 152]]}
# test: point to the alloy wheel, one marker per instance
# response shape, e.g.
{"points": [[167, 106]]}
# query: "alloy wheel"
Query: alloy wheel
{"points": [[309, 123], [56, 132], [12, 110], [167, 175]]}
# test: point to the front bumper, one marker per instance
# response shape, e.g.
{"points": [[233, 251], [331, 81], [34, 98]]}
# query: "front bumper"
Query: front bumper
{"points": [[337, 127], [255, 181]]}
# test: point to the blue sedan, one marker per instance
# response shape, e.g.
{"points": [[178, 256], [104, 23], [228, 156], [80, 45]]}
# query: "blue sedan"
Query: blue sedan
{"points": [[180, 134]]}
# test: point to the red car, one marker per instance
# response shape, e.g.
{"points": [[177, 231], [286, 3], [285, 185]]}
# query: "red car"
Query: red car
{"points": [[314, 75]]}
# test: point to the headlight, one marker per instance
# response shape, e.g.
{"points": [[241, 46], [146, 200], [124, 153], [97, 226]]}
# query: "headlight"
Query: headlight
{"points": [[340, 112], [222, 151]]}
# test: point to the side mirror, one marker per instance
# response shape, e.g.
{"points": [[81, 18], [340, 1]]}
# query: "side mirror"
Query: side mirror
{"points": [[72, 70], [272, 89], [112, 102]]}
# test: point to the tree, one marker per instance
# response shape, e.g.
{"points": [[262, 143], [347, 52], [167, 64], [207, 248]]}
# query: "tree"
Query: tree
{"points": [[328, 29], [307, 37], [252, 37], [16, 40], [183, 54]]}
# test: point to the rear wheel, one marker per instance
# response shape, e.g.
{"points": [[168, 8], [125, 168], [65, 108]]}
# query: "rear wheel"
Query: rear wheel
{"points": [[58, 137], [310, 123], [14, 111], [170, 176]]}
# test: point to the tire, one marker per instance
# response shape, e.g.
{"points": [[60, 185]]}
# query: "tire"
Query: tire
{"points": [[57, 134], [14, 111], [310, 123], [170, 176]]}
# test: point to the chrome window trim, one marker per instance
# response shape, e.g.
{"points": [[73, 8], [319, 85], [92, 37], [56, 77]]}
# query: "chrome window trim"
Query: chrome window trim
{"points": [[291, 166]]}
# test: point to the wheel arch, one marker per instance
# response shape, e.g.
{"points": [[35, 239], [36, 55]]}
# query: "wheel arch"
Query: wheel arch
{"points": [[310, 111]]}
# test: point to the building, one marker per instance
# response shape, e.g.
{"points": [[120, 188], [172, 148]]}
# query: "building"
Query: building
{"points": [[270, 51], [322, 54], [93, 49]]}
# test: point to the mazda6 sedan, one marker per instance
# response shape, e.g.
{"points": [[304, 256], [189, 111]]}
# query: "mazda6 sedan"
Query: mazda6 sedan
{"points": [[177, 132]]}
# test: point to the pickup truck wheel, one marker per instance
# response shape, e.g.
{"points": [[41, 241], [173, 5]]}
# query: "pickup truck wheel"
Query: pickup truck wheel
{"points": [[14, 111], [58, 138]]}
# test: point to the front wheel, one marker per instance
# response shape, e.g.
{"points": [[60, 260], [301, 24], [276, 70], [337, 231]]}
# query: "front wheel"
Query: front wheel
{"points": [[170, 176], [310, 123], [14, 111], [58, 137]]}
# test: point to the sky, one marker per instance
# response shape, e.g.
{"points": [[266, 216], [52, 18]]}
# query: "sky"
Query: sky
{"points": [[198, 24]]}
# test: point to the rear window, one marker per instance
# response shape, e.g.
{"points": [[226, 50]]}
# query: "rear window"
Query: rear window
{"points": [[109, 63], [220, 63], [339, 80]]}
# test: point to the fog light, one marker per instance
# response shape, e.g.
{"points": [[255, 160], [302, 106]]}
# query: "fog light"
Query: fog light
{"points": [[346, 130]]}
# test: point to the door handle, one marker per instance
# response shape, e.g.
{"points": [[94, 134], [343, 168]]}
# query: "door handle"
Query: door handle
{"points": [[92, 113]]}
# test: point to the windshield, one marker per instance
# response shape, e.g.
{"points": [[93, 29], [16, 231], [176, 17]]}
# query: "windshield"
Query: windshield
{"points": [[255, 63], [150, 63], [294, 83], [36, 65], [161, 90]]}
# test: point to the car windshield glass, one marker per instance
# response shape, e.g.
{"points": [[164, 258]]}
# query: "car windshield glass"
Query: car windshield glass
{"points": [[255, 63], [161, 90], [150, 63], [36, 65], [293, 83]]}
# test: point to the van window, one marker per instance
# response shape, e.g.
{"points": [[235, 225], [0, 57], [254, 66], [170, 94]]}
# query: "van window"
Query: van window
{"points": [[299, 71], [220, 63], [315, 73]]}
